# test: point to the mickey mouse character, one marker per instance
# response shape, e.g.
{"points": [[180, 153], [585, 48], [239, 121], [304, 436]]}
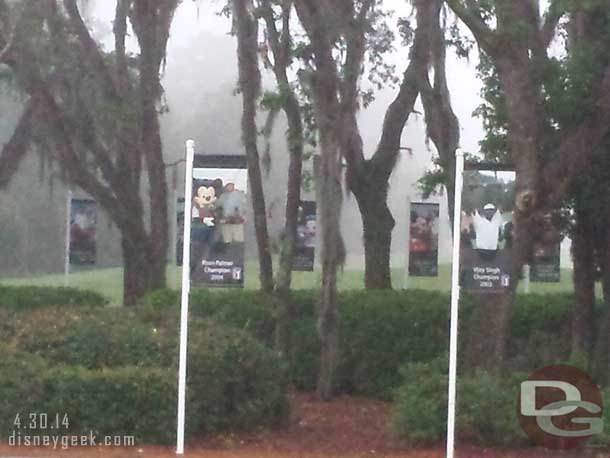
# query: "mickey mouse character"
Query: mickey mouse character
{"points": [[204, 211]]}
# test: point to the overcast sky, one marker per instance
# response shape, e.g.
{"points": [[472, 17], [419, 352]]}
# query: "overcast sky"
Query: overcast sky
{"points": [[196, 19]]}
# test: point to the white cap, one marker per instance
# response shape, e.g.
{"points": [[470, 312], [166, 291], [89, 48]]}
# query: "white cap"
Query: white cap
{"points": [[489, 207]]}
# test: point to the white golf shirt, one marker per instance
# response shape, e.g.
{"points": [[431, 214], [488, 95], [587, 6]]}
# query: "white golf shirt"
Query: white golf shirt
{"points": [[487, 231]]}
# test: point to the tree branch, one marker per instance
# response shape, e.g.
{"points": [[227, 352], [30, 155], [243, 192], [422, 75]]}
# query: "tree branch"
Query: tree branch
{"points": [[120, 32], [402, 106], [486, 37], [15, 150], [576, 149], [90, 50], [552, 18]]}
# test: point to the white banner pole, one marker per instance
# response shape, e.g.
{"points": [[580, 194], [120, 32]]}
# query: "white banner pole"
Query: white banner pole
{"points": [[455, 300], [405, 280], [186, 286], [67, 247]]}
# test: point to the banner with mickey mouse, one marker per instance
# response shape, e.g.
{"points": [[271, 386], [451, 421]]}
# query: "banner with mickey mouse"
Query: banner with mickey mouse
{"points": [[218, 217]]}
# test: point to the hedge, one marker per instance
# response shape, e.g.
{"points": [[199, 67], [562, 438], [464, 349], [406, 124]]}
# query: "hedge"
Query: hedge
{"points": [[234, 382], [93, 338], [31, 297], [382, 330], [486, 410]]}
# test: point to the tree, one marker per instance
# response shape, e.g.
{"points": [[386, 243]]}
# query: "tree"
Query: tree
{"points": [[442, 125], [97, 115], [547, 151], [250, 85], [342, 37], [279, 57]]}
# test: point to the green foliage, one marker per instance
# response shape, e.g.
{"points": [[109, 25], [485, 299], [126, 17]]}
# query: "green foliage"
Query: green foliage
{"points": [[119, 401], [234, 382], [382, 330], [120, 379], [420, 403], [486, 411], [21, 385], [93, 339], [30, 297]]}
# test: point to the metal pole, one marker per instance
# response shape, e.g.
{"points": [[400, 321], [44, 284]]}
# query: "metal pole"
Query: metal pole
{"points": [[405, 283], [67, 247], [186, 285], [455, 300]]}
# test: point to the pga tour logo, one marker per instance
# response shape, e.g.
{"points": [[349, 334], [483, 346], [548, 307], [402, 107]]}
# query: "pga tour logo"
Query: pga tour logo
{"points": [[560, 407]]}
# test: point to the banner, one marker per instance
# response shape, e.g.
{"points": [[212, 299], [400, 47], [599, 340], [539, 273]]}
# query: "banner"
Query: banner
{"points": [[218, 211], [423, 239], [486, 230], [83, 219], [305, 249], [546, 263]]}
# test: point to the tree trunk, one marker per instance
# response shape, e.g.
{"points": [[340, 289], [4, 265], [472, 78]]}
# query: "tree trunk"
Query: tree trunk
{"points": [[159, 221], [328, 309], [601, 359], [151, 50], [584, 287], [489, 334], [293, 198], [378, 224], [138, 272], [250, 85], [287, 251], [333, 254]]}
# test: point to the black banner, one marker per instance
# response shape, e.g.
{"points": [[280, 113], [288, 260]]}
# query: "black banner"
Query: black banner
{"points": [[546, 263], [305, 249], [423, 239], [486, 230], [83, 220], [218, 212]]}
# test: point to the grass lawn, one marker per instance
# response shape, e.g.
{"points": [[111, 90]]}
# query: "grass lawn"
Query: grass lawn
{"points": [[109, 281]]}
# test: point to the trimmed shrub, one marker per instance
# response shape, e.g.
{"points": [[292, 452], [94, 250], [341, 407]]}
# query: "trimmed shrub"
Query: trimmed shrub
{"points": [[21, 386], [234, 382], [420, 404], [93, 338], [382, 330], [31, 297], [126, 401], [486, 411]]}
